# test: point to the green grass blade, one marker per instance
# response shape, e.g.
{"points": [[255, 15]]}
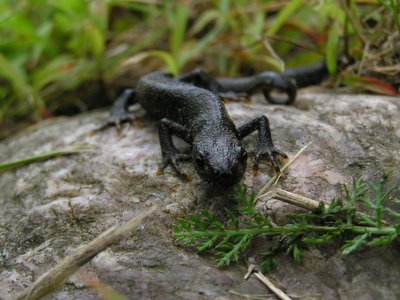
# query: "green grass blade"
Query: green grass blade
{"points": [[16, 77], [331, 48], [284, 15], [47, 155]]}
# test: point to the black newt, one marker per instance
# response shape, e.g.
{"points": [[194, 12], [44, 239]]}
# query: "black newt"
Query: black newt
{"points": [[190, 107]]}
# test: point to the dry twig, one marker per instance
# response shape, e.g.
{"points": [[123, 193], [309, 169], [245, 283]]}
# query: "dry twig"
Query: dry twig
{"points": [[291, 198], [278, 292], [54, 278]]}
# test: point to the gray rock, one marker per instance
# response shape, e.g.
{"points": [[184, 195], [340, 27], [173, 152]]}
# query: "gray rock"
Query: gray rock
{"points": [[50, 208]]}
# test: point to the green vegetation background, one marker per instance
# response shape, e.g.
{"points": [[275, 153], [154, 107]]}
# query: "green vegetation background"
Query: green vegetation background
{"points": [[68, 56]]}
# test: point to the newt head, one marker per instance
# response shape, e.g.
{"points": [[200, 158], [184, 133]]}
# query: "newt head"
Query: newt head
{"points": [[219, 159]]}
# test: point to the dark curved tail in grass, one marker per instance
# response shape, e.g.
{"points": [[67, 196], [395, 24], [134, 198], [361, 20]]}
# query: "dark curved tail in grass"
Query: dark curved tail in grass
{"points": [[315, 73]]}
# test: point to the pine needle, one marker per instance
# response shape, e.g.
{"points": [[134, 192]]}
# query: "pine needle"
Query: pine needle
{"points": [[274, 180]]}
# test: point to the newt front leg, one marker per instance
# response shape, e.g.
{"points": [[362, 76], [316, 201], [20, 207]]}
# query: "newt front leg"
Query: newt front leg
{"points": [[266, 148], [170, 154]]}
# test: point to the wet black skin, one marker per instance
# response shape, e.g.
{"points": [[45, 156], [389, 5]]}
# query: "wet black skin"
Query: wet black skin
{"points": [[287, 82], [190, 107], [199, 117]]}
